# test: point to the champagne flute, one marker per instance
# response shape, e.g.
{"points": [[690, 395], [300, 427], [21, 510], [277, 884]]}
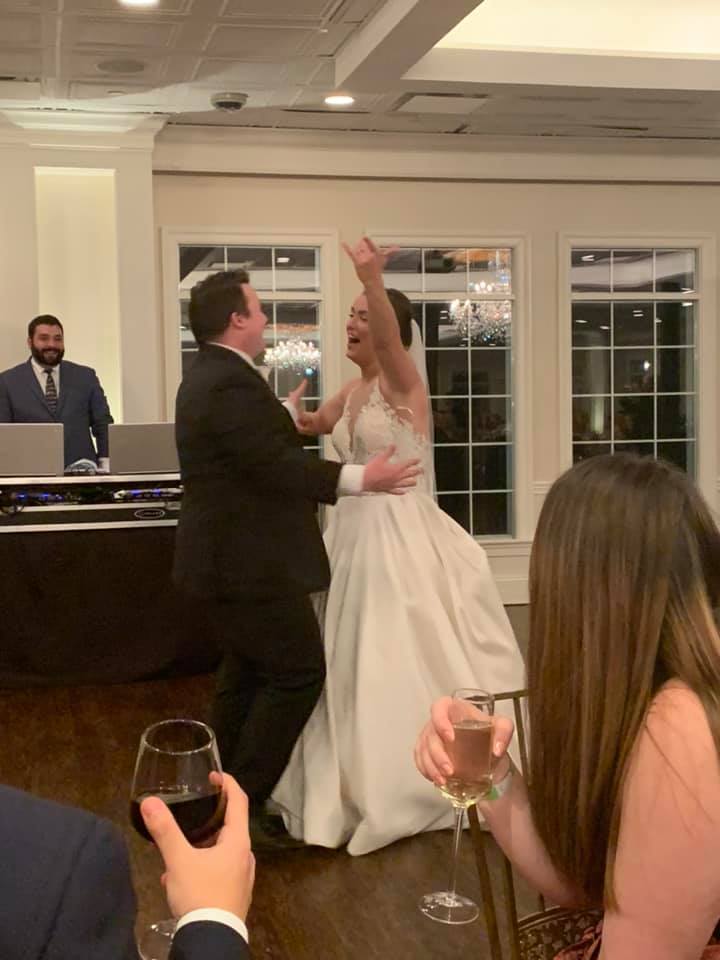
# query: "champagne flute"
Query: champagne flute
{"points": [[470, 753], [178, 761]]}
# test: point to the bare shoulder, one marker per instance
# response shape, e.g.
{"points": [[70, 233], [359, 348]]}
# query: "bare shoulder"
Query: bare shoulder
{"points": [[677, 712], [348, 388]]}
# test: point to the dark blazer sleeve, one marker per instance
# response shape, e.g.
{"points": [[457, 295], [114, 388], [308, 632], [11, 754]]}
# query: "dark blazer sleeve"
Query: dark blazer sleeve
{"points": [[100, 416], [264, 447], [96, 915], [6, 414], [205, 940]]}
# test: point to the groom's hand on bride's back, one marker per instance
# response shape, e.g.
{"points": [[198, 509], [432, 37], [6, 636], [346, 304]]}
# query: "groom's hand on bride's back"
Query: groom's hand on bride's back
{"points": [[382, 476]]}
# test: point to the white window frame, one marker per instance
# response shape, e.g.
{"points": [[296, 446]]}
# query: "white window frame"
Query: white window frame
{"points": [[505, 551], [706, 346], [331, 332]]}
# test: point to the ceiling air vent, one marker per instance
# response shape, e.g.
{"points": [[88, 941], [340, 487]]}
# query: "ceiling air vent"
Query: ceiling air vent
{"points": [[443, 103]]}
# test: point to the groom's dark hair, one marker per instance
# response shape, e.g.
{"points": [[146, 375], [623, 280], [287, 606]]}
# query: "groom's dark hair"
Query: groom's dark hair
{"points": [[404, 313], [213, 300]]}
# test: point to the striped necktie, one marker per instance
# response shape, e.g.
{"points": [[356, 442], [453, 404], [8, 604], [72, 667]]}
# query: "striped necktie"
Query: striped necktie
{"points": [[51, 397]]}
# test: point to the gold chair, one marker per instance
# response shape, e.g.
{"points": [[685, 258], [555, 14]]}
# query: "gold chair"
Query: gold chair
{"points": [[541, 935]]}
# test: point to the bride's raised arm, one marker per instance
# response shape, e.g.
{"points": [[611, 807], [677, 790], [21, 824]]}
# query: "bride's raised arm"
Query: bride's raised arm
{"points": [[395, 363]]}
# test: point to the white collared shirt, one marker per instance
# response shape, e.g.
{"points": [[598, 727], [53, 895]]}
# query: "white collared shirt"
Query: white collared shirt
{"points": [[39, 371], [350, 481]]}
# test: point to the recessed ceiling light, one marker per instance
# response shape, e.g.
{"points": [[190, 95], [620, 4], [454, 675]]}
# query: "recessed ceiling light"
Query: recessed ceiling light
{"points": [[588, 258], [282, 260], [688, 303], [139, 3], [340, 100]]}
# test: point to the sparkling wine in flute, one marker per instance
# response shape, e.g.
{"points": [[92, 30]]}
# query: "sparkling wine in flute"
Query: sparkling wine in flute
{"points": [[471, 756], [199, 815]]}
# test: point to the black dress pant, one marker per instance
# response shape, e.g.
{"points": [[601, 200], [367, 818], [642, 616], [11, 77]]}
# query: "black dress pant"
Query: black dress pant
{"points": [[271, 675]]}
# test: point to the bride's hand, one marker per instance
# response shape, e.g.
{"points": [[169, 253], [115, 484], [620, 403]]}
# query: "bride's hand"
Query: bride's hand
{"points": [[431, 757], [369, 261]]}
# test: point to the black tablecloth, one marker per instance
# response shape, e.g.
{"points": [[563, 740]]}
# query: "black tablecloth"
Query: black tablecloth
{"points": [[95, 606]]}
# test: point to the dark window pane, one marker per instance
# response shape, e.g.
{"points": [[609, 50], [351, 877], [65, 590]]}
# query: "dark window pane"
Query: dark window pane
{"points": [[633, 324], [490, 371], [440, 331], [287, 380], [634, 371], [641, 449], [583, 451], [491, 420], [676, 370], [675, 271], [681, 454], [202, 260], [451, 468], [486, 323], [452, 420], [591, 371], [445, 269], [591, 418], [634, 418], [632, 270], [492, 468], [297, 320], [591, 324], [491, 513], [296, 268], [675, 323], [458, 507], [185, 315], [676, 417], [490, 271], [448, 372], [590, 271], [257, 261], [403, 270]]}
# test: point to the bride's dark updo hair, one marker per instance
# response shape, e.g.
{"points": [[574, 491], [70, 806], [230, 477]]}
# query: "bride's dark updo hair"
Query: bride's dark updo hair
{"points": [[404, 313]]}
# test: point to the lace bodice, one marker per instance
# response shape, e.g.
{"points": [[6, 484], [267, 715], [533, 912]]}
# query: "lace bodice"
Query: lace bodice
{"points": [[376, 427]]}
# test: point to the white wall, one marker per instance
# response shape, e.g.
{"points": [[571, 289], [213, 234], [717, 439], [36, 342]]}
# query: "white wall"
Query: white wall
{"points": [[77, 261]]}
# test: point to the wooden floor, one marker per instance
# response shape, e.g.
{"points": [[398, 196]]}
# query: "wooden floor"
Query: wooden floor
{"points": [[78, 745]]}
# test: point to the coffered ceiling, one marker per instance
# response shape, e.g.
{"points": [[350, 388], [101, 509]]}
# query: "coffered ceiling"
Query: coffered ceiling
{"points": [[493, 71]]}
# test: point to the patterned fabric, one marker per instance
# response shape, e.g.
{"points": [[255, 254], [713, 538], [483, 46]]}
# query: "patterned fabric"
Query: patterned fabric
{"points": [[589, 947], [51, 397]]}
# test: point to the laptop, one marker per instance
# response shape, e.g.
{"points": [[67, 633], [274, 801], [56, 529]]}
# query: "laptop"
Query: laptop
{"points": [[143, 448], [31, 450]]}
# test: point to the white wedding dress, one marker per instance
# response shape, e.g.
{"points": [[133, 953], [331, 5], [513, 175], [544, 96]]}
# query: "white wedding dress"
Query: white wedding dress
{"points": [[412, 613]]}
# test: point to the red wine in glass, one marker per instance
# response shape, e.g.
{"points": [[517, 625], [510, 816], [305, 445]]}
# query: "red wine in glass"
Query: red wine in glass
{"points": [[199, 815]]}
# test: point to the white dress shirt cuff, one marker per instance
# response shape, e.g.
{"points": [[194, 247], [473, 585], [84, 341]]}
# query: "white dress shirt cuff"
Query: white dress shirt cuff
{"points": [[350, 483], [216, 916], [290, 407]]}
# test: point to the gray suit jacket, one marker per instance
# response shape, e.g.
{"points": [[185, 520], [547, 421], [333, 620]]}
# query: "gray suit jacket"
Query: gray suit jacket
{"points": [[82, 407]]}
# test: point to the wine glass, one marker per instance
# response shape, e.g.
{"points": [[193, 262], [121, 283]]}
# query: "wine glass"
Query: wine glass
{"points": [[178, 761], [471, 756]]}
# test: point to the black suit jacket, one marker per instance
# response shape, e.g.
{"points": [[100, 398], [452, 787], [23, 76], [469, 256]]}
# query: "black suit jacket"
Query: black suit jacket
{"points": [[82, 407], [66, 893], [247, 521]]}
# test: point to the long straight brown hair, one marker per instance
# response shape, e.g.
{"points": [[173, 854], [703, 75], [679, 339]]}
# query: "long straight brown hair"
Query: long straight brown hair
{"points": [[624, 576]]}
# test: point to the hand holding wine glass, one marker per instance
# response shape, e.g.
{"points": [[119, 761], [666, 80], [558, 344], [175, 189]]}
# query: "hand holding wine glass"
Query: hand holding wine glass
{"points": [[220, 876], [459, 755]]}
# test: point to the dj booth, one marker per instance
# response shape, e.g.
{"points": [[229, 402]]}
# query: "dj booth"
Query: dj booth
{"points": [[85, 592]]}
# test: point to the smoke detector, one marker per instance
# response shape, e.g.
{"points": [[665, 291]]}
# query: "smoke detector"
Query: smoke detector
{"points": [[229, 102]]}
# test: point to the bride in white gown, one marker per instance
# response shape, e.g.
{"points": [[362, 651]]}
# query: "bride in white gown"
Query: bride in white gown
{"points": [[411, 614]]}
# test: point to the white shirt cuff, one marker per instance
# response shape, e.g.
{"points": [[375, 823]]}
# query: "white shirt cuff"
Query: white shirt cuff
{"points": [[216, 916], [290, 407], [350, 483]]}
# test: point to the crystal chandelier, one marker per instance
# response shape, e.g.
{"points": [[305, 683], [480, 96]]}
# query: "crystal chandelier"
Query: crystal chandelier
{"points": [[297, 355], [484, 321]]}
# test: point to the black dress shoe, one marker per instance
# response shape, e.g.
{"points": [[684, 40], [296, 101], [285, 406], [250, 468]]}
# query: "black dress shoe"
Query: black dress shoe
{"points": [[267, 832]]}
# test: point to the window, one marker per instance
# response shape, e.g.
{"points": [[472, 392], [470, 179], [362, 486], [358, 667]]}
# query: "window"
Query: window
{"points": [[464, 305], [287, 279], [634, 336]]}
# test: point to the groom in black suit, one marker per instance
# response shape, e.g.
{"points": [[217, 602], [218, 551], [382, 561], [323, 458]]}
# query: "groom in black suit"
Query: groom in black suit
{"points": [[248, 540]]}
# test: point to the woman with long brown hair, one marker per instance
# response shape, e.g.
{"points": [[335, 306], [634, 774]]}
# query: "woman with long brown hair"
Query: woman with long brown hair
{"points": [[622, 805]]}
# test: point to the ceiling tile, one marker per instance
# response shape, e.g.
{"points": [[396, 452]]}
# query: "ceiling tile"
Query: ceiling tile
{"points": [[21, 63], [278, 9], [218, 74], [20, 31], [124, 33], [256, 43]]}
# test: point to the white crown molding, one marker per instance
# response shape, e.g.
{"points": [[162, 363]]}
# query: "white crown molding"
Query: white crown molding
{"points": [[244, 151], [79, 131]]}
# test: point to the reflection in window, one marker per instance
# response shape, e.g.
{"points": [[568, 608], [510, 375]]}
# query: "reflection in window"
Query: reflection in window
{"points": [[288, 281], [463, 301], [634, 314]]}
